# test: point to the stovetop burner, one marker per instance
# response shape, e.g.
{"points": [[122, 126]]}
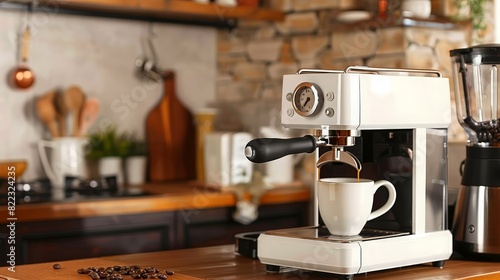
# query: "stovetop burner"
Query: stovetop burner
{"points": [[41, 190]]}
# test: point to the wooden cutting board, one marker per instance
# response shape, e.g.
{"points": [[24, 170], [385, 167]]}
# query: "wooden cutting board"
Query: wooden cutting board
{"points": [[170, 135]]}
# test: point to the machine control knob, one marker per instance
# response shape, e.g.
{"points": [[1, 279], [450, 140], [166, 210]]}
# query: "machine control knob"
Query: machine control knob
{"points": [[330, 96], [329, 112]]}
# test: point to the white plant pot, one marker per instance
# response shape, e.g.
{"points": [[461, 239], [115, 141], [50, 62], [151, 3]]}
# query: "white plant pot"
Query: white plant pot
{"points": [[135, 170], [111, 166]]}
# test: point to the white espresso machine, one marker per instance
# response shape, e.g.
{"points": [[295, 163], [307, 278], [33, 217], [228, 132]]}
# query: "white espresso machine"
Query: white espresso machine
{"points": [[390, 123]]}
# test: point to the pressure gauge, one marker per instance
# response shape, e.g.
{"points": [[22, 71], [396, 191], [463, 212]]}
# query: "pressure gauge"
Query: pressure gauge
{"points": [[307, 99]]}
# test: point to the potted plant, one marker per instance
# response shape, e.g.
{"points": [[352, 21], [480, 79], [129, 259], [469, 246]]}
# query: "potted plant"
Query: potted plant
{"points": [[475, 10], [109, 147]]}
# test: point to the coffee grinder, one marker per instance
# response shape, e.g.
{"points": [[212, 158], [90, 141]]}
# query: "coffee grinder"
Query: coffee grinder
{"points": [[388, 123], [476, 225]]}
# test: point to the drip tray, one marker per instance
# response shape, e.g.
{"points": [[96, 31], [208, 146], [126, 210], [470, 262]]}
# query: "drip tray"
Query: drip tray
{"points": [[321, 233]]}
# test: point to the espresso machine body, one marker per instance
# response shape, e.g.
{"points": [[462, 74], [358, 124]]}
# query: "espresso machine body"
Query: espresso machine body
{"points": [[476, 227], [387, 155], [393, 123]]}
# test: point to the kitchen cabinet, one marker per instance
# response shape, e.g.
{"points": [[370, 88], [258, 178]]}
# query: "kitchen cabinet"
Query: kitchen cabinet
{"points": [[167, 216], [163, 10], [98, 236], [55, 240]]}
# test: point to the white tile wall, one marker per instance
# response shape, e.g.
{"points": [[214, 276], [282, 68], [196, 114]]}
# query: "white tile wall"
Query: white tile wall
{"points": [[97, 54]]}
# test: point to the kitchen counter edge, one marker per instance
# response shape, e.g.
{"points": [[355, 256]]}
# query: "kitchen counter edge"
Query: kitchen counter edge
{"points": [[160, 197]]}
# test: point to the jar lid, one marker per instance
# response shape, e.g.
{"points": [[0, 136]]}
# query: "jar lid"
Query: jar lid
{"points": [[485, 53]]}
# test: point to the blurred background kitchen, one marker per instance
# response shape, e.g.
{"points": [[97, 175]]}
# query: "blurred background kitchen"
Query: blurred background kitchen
{"points": [[227, 59]]}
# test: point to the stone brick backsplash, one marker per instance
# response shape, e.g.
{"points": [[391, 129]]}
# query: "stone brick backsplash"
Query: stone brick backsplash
{"points": [[253, 57]]}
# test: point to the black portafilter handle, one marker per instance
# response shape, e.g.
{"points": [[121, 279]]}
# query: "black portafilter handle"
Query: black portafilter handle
{"points": [[261, 150]]}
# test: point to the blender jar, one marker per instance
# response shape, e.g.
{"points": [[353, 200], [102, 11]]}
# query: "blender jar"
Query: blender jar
{"points": [[475, 76]]}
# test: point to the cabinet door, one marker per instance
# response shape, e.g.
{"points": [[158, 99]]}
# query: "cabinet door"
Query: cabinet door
{"points": [[93, 237], [208, 227]]}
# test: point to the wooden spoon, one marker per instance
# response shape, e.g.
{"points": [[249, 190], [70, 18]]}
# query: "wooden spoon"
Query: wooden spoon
{"points": [[62, 112], [90, 112], [74, 99], [47, 112]]}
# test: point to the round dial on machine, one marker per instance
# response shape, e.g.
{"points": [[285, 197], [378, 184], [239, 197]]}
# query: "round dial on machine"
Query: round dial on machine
{"points": [[307, 99]]}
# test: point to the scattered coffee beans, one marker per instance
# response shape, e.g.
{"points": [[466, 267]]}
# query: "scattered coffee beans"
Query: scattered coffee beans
{"points": [[119, 272], [56, 266]]}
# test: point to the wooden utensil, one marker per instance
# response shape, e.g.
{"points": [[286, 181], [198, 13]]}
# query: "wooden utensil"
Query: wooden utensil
{"points": [[74, 99], [170, 135], [90, 112], [62, 112], [47, 112]]}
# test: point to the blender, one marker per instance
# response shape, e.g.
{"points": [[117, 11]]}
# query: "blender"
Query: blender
{"points": [[476, 227]]}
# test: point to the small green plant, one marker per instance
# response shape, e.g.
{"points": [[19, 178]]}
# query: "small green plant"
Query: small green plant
{"points": [[477, 12], [108, 143]]}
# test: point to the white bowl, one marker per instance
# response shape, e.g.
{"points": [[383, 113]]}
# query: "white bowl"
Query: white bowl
{"points": [[353, 16], [416, 8]]}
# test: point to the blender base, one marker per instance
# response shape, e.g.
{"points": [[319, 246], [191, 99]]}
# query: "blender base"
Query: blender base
{"points": [[467, 250], [475, 225]]}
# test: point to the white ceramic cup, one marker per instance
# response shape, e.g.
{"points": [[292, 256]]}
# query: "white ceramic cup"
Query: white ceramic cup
{"points": [[345, 204]]}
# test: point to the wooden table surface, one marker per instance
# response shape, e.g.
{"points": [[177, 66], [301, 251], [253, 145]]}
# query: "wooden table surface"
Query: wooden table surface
{"points": [[221, 262]]}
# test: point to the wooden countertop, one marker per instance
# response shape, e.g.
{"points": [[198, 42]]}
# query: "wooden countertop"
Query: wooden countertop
{"points": [[162, 197], [221, 262]]}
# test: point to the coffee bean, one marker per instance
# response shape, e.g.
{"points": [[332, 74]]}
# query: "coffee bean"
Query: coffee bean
{"points": [[56, 266], [170, 272], [115, 277], [149, 269], [162, 276], [94, 276]]}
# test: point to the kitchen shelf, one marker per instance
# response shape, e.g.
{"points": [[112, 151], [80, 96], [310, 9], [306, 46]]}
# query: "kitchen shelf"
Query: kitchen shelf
{"points": [[164, 10], [434, 22]]}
